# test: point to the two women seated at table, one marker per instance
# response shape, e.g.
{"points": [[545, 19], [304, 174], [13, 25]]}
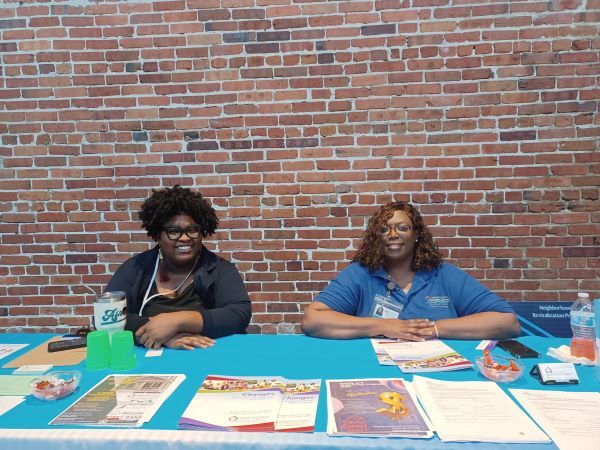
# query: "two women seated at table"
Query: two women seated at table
{"points": [[398, 287], [180, 294]]}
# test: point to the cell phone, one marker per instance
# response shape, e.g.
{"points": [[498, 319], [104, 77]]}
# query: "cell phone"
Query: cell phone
{"points": [[516, 349], [82, 332], [67, 344]]}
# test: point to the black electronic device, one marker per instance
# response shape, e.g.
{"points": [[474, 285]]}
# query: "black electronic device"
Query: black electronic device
{"points": [[82, 332], [67, 344], [516, 349]]}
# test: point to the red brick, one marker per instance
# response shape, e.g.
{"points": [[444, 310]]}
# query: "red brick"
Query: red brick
{"points": [[484, 118]]}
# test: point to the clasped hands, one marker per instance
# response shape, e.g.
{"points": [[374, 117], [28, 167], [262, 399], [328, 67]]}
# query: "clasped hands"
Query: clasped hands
{"points": [[410, 329], [164, 330]]}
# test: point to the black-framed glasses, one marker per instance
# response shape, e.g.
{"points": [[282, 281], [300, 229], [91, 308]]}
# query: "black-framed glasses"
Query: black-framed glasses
{"points": [[175, 233], [399, 229]]}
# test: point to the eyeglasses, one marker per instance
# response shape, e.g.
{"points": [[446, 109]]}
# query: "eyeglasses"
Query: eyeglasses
{"points": [[175, 233], [399, 229]]}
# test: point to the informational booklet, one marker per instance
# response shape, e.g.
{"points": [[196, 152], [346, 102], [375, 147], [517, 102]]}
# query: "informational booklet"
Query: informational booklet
{"points": [[228, 403], [571, 419], [426, 356], [298, 409], [379, 345], [121, 401], [475, 411], [375, 407]]}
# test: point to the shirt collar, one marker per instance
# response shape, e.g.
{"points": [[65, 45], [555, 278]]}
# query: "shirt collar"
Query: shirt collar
{"points": [[421, 276]]}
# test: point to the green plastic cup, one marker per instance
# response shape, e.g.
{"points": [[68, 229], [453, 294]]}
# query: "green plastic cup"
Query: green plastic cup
{"points": [[98, 350], [122, 351]]}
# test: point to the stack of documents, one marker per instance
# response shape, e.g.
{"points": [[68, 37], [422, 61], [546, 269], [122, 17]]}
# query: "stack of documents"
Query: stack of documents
{"points": [[572, 419], [374, 407], [475, 411], [253, 404], [121, 401], [425, 356]]}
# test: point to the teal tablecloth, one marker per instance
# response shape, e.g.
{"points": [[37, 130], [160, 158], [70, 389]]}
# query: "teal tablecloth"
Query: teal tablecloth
{"points": [[290, 356]]}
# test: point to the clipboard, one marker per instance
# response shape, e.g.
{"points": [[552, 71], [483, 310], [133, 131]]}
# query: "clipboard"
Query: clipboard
{"points": [[40, 355]]}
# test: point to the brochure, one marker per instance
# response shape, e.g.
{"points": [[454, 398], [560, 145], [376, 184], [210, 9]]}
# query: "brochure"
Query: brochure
{"points": [[234, 404], [298, 408], [252, 404], [380, 352], [426, 356], [121, 401], [375, 407], [440, 363]]}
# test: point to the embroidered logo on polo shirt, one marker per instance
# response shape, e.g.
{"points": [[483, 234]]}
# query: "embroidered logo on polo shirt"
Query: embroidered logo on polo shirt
{"points": [[438, 302]]}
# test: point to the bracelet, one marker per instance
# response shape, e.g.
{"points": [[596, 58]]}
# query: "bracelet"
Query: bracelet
{"points": [[437, 334]]}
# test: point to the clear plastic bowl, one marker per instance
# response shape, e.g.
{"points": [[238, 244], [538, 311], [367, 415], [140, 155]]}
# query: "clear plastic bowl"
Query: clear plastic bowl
{"points": [[55, 385], [500, 375]]}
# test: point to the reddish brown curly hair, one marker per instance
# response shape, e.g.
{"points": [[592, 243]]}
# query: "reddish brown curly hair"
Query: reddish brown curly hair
{"points": [[370, 252]]}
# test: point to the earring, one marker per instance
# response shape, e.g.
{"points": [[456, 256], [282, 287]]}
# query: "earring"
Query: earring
{"points": [[160, 255], [416, 240]]}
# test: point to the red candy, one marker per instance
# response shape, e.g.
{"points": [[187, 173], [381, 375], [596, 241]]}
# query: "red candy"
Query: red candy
{"points": [[489, 362]]}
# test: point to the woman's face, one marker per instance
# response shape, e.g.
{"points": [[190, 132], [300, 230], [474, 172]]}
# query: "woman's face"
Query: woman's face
{"points": [[399, 244], [183, 250]]}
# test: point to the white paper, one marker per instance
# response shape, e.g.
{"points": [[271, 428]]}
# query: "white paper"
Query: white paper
{"points": [[572, 419], [7, 349], [410, 351], [154, 352], [32, 369], [8, 402], [486, 345], [475, 411]]}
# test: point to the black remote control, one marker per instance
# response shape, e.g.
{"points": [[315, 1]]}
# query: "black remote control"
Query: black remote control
{"points": [[67, 344]]}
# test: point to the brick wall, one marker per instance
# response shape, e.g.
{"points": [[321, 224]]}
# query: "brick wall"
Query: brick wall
{"points": [[296, 118]]}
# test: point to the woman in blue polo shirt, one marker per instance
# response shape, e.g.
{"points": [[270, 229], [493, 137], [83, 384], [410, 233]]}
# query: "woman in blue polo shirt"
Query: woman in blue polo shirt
{"points": [[398, 287]]}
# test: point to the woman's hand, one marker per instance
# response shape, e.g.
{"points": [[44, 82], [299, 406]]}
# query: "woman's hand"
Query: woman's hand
{"points": [[163, 327], [321, 321], [185, 341], [410, 329], [158, 330]]}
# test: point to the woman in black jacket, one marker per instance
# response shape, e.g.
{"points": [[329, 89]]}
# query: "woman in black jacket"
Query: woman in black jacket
{"points": [[180, 294]]}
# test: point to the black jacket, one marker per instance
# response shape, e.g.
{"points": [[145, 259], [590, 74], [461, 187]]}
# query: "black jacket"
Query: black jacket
{"points": [[226, 306]]}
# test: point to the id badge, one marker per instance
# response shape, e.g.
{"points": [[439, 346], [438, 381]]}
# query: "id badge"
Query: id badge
{"points": [[384, 308]]}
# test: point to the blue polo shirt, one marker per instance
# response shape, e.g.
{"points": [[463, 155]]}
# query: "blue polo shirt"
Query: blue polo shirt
{"points": [[445, 292]]}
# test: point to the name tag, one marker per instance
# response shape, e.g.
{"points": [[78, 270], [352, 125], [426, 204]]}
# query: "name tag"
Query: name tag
{"points": [[555, 373], [385, 308]]}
